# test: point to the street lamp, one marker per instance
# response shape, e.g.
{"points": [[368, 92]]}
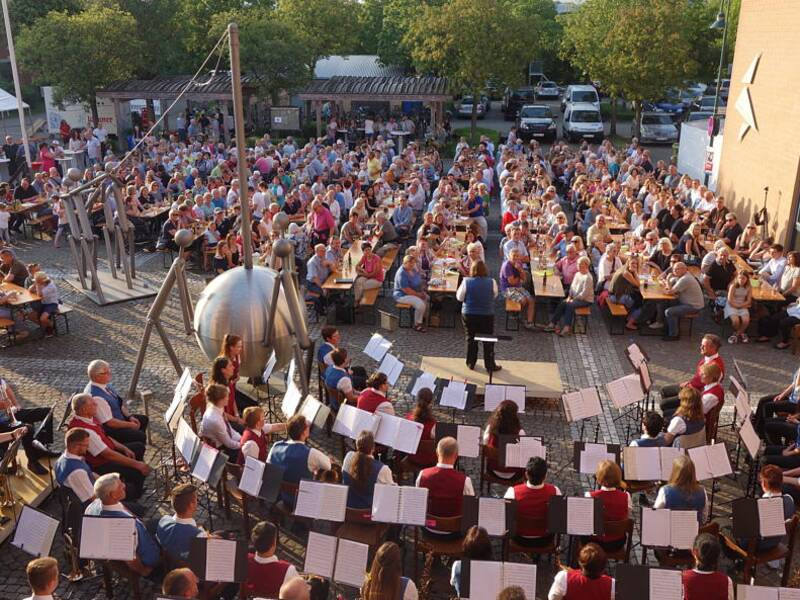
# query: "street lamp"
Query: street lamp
{"points": [[720, 23]]}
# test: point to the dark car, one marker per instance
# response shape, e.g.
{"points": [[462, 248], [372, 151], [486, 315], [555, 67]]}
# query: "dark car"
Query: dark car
{"points": [[536, 121], [515, 99]]}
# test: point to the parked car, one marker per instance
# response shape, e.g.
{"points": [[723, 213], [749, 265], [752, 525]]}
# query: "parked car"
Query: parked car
{"points": [[707, 103], [514, 99], [582, 120], [536, 121], [547, 90], [672, 106], [657, 127], [698, 115], [464, 109], [584, 94], [696, 88]]}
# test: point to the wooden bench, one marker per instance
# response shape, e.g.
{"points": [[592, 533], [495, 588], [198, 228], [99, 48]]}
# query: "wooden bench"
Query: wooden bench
{"points": [[403, 308], [513, 310], [388, 260], [38, 224], [63, 313], [617, 314], [368, 300], [582, 317], [7, 325], [311, 311], [690, 318]]}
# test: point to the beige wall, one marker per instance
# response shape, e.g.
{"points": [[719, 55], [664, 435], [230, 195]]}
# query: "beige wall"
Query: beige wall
{"points": [[770, 155]]}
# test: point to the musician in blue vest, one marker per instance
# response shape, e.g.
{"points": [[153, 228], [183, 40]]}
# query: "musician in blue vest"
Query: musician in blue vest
{"points": [[298, 460], [72, 471], [330, 341], [176, 532], [477, 293], [337, 377], [361, 471], [652, 431], [110, 492], [113, 414]]}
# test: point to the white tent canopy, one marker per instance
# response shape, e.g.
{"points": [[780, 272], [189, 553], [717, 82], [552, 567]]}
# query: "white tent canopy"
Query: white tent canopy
{"points": [[9, 102]]}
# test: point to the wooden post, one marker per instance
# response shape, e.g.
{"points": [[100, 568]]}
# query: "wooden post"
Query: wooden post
{"points": [[318, 109]]}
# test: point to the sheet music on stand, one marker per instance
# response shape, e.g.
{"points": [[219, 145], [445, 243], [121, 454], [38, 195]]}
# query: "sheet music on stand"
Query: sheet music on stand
{"points": [[377, 347], [208, 465], [315, 412], [260, 479], [269, 367], [711, 462], [218, 560], [483, 579], [582, 404], [625, 391], [496, 515], [648, 464], [515, 451], [642, 582], [291, 399], [391, 367], [467, 436], [186, 441], [317, 500], [762, 592], [587, 455], [646, 378], [749, 437], [108, 538], [402, 504], [182, 392], [424, 380], [666, 528], [399, 433], [758, 518], [494, 394], [351, 421], [35, 532], [342, 560], [740, 375], [742, 408], [454, 395], [636, 355]]}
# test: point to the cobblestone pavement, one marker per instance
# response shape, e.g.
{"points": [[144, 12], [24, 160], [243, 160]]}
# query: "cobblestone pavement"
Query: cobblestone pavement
{"points": [[47, 371]]}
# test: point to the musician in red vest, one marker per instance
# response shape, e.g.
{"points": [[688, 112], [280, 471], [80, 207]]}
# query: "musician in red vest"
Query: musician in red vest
{"points": [[254, 442], [709, 348], [446, 486], [422, 413], [617, 503], [373, 399], [532, 498], [107, 455], [705, 582], [265, 572], [588, 583]]}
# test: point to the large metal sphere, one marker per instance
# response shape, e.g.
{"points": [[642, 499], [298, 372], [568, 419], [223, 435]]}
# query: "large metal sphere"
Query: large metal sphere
{"points": [[282, 248], [74, 174], [184, 238], [237, 302], [280, 221]]}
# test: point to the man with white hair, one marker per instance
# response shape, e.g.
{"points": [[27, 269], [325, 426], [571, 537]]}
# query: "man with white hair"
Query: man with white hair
{"points": [[112, 410], [110, 492], [385, 234]]}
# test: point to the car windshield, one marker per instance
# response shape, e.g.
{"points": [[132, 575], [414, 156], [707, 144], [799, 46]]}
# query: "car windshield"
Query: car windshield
{"points": [[656, 120], [466, 100], [548, 84], [707, 101], [699, 116], [523, 94], [586, 116], [587, 96], [532, 112]]}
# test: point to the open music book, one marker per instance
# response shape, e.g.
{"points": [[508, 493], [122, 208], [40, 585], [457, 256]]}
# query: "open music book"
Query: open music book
{"points": [[749, 438], [648, 464], [647, 379], [186, 441], [208, 465], [315, 412], [575, 515], [481, 579], [635, 355], [108, 538], [515, 451], [269, 367], [583, 404], [391, 367], [711, 461], [215, 559], [758, 517], [494, 394], [35, 532], [402, 504], [425, 380], [467, 436], [640, 582], [326, 501], [344, 561], [625, 391], [763, 592], [182, 392], [496, 515], [454, 395], [377, 347], [260, 479], [667, 528], [351, 421], [399, 433], [586, 456], [291, 399]]}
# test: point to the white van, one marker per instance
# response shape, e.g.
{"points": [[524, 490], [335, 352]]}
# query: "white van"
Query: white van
{"points": [[582, 121], [580, 93]]}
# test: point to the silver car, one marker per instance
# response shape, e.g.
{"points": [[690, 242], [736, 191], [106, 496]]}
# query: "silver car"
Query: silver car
{"points": [[657, 127]]}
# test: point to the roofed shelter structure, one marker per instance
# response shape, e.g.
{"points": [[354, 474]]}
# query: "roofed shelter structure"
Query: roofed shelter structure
{"points": [[433, 91]]}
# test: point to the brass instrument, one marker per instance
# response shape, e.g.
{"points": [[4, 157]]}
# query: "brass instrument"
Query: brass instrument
{"points": [[6, 495], [71, 555]]}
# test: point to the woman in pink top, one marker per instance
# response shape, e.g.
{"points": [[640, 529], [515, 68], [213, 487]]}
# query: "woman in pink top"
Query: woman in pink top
{"points": [[369, 272], [46, 157]]}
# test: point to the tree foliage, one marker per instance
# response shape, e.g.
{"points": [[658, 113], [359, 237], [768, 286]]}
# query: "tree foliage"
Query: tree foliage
{"points": [[270, 50], [80, 53], [323, 25], [635, 49]]}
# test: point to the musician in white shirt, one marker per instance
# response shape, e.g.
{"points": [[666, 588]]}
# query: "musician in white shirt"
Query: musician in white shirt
{"points": [[42, 577], [214, 427]]}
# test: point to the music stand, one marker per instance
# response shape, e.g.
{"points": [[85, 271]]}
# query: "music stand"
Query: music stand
{"points": [[492, 339]]}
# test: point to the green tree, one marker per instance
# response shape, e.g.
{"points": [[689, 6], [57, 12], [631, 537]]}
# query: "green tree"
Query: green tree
{"points": [[323, 25], [80, 53], [635, 49], [472, 41], [271, 50]]}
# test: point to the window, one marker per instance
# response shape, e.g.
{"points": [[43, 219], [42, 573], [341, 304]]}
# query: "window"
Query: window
{"points": [[586, 116]]}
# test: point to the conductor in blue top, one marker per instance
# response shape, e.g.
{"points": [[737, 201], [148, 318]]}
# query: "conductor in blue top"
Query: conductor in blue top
{"points": [[477, 293]]}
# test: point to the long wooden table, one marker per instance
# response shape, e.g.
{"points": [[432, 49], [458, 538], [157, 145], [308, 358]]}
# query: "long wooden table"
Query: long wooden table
{"points": [[552, 288], [22, 296]]}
